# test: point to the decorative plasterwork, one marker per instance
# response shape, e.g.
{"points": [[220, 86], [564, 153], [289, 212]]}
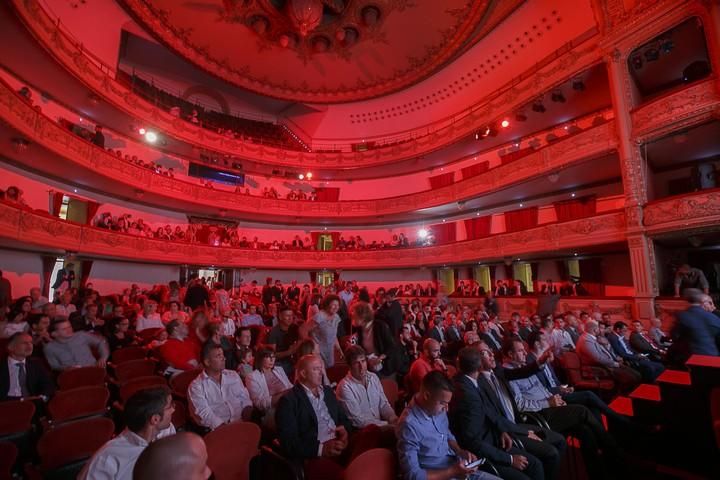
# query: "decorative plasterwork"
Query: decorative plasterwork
{"points": [[41, 130], [688, 211], [679, 107], [496, 103], [40, 230]]}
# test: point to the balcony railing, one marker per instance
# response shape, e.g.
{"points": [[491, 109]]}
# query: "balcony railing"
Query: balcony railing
{"points": [[40, 230], [545, 75], [41, 130], [691, 210]]}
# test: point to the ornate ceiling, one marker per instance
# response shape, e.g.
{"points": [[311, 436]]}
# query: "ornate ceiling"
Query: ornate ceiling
{"points": [[360, 49]]}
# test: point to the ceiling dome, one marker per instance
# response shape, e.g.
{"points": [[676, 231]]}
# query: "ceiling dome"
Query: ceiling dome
{"points": [[355, 49]]}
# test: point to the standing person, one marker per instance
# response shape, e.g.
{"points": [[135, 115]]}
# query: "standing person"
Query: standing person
{"points": [[74, 349], [391, 312], [323, 329], [196, 295], [375, 338], [696, 331], [98, 138], [64, 279], [284, 339]]}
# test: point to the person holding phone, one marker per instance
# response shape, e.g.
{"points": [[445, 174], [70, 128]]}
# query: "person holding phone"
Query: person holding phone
{"points": [[426, 447]]}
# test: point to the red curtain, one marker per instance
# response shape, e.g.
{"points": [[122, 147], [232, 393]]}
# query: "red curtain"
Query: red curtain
{"points": [[327, 194], [85, 268], [478, 227], [56, 203], [315, 236], [92, 209], [442, 180], [591, 276], [576, 208], [444, 232], [512, 156], [474, 170], [523, 219], [335, 239], [313, 278], [48, 263]]}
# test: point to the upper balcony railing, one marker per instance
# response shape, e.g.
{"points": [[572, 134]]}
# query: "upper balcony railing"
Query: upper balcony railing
{"points": [[547, 73], [40, 129], [42, 230], [683, 212]]}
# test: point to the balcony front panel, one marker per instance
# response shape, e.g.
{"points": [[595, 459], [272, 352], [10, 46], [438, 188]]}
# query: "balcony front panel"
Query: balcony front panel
{"points": [[29, 229], [678, 109], [42, 130], [693, 210], [433, 137]]}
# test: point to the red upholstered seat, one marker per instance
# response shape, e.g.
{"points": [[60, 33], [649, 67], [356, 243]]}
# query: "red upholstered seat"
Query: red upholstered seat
{"points": [[135, 368], [391, 389], [139, 383], [8, 456], [122, 355], [375, 464], [180, 415], [148, 334], [15, 417], [180, 382], [337, 372], [585, 377], [78, 402], [73, 442], [81, 377], [232, 463]]}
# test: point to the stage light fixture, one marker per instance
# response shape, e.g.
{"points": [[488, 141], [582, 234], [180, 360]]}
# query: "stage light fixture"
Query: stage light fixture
{"points": [[505, 123], [422, 233], [301, 177], [557, 97], [538, 107], [151, 137], [308, 175]]}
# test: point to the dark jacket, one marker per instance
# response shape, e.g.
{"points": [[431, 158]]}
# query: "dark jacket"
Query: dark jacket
{"points": [[476, 424], [392, 315], [196, 296], [696, 332], [385, 344], [39, 381], [297, 425]]}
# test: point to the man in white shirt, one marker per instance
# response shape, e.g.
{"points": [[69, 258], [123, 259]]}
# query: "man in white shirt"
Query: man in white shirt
{"points": [[38, 301], [149, 318], [560, 339], [218, 396], [65, 308], [361, 394], [148, 415]]}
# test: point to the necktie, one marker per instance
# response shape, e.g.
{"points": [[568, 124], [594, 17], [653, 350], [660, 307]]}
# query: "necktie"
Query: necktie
{"points": [[550, 377], [501, 396], [22, 380]]}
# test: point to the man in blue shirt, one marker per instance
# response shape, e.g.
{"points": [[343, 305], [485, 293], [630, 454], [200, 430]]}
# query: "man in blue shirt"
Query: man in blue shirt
{"points": [[427, 450]]}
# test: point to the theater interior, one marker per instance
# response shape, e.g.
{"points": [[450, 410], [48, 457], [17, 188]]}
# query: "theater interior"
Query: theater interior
{"points": [[355, 182]]}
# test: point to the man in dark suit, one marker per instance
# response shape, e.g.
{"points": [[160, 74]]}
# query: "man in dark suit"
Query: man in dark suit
{"points": [[501, 289], [391, 312], [311, 426], [21, 375], [619, 342], [641, 342], [481, 431], [489, 336], [696, 330]]}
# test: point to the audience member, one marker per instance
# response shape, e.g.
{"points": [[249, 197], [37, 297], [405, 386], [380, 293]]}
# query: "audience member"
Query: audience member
{"points": [[619, 339], [177, 351], [688, 277], [70, 349], [22, 376], [696, 330], [181, 457], [266, 384], [376, 340], [323, 328], [427, 362]]}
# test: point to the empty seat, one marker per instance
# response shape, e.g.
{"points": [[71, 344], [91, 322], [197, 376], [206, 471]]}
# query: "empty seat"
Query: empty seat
{"points": [[81, 377], [585, 377], [377, 464], [232, 463], [180, 382], [77, 403], [391, 389], [122, 355], [139, 383], [135, 368], [16, 417]]}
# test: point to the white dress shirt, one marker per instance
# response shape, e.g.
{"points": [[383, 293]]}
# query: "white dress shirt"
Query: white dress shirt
{"points": [[212, 404], [14, 371], [326, 424], [116, 459], [559, 339], [64, 310], [258, 388], [364, 405], [151, 321]]}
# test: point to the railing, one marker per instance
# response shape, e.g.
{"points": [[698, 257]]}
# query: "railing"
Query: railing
{"points": [[46, 232], [690, 210], [548, 73], [40, 129]]}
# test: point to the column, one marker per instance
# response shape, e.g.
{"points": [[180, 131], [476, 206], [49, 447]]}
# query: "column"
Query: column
{"points": [[642, 258]]}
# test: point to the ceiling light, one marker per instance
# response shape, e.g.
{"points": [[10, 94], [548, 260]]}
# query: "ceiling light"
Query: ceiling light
{"points": [[521, 205], [520, 117], [422, 233], [578, 85], [477, 135], [142, 131], [538, 107], [444, 220], [151, 137], [308, 175], [575, 254], [505, 123], [572, 195], [557, 97], [301, 176]]}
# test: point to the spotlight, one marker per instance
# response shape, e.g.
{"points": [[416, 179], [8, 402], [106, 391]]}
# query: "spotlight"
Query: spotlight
{"points": [[308, 175], [142, 131], [151, 137], [572, 195], [652, 54], [520, 117], [538, 107], [505, 123], [301, 177], [422, 233], [578, 85], [637, 62], [557, 96]]}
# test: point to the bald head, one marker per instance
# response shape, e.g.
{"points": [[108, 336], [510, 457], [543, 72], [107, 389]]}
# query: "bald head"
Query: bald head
{"points": [[310, 371], [181, 457], [591, 327]]}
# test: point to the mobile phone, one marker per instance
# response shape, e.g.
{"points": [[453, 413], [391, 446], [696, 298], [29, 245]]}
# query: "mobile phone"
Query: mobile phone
{"points": [[476, 463]]}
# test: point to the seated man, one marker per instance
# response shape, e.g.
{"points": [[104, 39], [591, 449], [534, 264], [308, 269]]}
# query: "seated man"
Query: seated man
{"points": [[70, 349], [428, 361], [361, 394], [38, 300], [21, 375], [483, 432], [147, 415], [312, 428], [149, 318], [619, 340], [90, 322], [178, 352], [560, 339], [252, 318], [426, 446], [592, 353], [641, 342], [181, 457], [531, 396], [489, 336], [217, 396]]}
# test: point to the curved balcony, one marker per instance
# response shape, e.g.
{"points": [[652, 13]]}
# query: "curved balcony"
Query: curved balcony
{"points": [[683, 212], [100, 79], [80, 154], [23, 228]]}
